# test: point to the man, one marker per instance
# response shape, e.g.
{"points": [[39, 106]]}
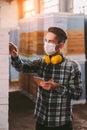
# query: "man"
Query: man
{"points": [[61, 82]]}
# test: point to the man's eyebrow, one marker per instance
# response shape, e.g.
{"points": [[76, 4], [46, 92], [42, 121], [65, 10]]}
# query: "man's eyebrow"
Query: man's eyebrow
{"points": [[49, 39]]}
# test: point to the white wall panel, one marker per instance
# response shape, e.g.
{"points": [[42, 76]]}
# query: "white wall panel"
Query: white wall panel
{"points": [[8, 14], [4, 78]]}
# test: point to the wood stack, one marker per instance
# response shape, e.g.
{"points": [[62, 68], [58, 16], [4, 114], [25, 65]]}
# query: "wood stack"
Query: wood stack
{"points": [[28, 84], [31, 43], [23, 45], [75, 42]]}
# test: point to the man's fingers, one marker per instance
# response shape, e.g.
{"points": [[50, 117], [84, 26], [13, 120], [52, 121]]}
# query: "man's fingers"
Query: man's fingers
{"points": [[11, 45], [52, 79], [14, 53]]}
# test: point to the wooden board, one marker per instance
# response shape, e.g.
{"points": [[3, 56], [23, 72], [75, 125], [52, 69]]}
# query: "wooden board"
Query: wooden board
{"points": [[75, 43]]}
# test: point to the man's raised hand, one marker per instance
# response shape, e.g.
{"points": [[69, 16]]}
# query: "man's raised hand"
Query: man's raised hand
{"points": [[13, 51]]}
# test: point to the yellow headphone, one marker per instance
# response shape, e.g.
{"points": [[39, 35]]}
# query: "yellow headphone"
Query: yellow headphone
{"points": [[54, 59]]}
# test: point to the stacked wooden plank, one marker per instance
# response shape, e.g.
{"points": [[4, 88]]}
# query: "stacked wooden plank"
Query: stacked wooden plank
{"points": [[31, 38], [27, 84], [75, 42]]}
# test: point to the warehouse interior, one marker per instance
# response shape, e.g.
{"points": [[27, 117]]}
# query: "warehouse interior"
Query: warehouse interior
{"points": [[25, 23]]}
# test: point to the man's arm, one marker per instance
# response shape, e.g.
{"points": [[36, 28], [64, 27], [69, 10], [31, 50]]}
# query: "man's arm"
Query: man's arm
{"points": [[26, 66], [19, 64], [75, 83], [74, 86]]}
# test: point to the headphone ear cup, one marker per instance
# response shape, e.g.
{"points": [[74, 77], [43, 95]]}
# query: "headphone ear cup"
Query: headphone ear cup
{"points": [[47, 59], [56, 59]]}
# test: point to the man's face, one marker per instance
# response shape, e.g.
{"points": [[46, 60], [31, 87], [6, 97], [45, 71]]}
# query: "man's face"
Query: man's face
{"points": [[51, 38], [51, 45]]}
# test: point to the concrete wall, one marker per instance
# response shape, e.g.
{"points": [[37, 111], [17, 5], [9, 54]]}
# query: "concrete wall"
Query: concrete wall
{"points": [[4, 79], [8, 20]]}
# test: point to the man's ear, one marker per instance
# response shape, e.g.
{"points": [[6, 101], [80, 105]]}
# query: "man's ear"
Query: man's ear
{"points": [[61, 45]]}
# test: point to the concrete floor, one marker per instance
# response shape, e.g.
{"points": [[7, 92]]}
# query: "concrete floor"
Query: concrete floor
{"points": [[21, 110]]}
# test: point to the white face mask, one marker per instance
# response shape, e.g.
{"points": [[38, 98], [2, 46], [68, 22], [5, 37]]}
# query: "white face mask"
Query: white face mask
{"points": [[49, 48]]}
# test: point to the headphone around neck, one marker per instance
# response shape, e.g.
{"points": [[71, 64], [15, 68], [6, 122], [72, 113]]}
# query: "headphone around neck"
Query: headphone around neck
{"points": [[54, 59]]}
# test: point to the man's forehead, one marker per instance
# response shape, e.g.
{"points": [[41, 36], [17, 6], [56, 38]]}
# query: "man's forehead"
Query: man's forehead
{"points": [[50, 35]]}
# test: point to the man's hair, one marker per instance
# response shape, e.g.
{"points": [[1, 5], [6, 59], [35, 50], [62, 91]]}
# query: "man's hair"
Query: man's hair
{"points": [[62, 37]]}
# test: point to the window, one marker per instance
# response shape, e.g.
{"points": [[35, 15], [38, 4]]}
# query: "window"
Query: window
{"points": [[28, 8], [80, 6], [50, 6], [32, 7]]}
